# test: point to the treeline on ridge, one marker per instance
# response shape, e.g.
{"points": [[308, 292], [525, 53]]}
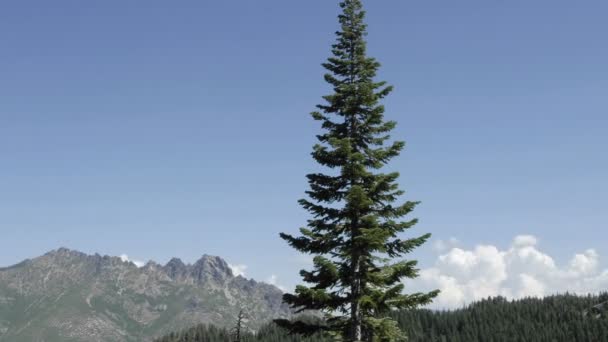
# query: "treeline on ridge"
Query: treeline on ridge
{"points": [[555, 318]]}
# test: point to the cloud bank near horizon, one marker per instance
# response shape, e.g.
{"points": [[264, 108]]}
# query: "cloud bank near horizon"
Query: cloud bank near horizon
{"points": [[521, 270]]}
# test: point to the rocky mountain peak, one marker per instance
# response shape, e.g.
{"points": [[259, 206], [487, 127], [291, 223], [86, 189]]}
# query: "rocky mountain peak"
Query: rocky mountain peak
{"points": [[176, 263], [65, 252], [211, 268], [176, 269], [81, 297], [208, 269]]}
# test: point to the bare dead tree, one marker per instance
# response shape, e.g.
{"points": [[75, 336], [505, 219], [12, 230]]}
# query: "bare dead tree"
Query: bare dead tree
{"points": [[240, 327]]}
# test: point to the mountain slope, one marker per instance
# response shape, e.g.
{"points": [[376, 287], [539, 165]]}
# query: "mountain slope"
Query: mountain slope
{"points": [[66, 295]]}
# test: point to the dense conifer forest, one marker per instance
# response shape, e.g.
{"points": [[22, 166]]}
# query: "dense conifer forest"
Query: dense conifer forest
{"points": [[556, 318]]}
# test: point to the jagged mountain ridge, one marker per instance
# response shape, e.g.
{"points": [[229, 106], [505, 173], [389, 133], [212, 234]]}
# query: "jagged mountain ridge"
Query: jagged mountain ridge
{"points": [[67, 295]]}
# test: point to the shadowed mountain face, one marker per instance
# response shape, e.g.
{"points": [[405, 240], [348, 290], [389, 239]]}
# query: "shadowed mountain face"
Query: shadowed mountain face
{"points": [[66, 295]]}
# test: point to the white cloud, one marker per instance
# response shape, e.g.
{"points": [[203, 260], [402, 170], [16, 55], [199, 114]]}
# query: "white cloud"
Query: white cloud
{"points": [[585, 263], [238, 270], [530, 286], [125, 258], [524, 241], [443, 245], [272, 280], [521, 270]]}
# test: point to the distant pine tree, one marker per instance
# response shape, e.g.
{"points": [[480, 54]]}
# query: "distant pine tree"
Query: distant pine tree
{"points": [[355, 230]]}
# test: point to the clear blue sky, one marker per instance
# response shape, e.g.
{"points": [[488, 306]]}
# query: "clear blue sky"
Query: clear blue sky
{"points": [[161, 129]]}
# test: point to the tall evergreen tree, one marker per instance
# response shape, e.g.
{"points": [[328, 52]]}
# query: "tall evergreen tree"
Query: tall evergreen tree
{"points": [[355, 230]]}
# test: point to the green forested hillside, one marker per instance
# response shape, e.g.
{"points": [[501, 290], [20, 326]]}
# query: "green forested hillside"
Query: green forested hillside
{"points": [[558, 318]]}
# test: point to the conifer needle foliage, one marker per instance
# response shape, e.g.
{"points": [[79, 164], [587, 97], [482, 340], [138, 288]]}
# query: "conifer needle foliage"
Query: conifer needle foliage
{"points": [[355, 232]]}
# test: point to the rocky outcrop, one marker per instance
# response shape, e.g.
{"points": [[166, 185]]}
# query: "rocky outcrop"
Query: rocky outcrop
{"points": [[67, 295]]}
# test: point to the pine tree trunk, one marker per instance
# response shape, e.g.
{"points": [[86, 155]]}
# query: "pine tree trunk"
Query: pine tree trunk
{"points": [[356, 320], [356, 331]]}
